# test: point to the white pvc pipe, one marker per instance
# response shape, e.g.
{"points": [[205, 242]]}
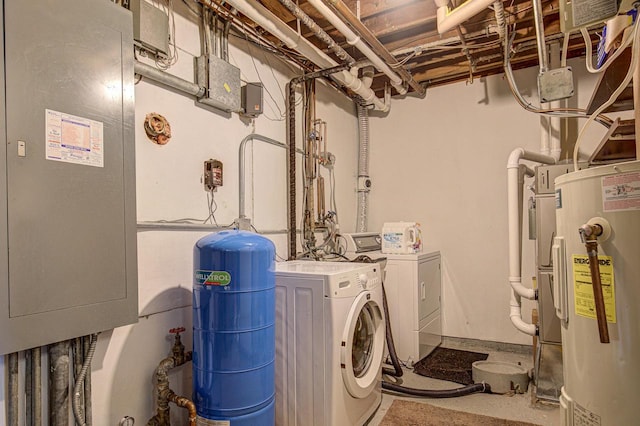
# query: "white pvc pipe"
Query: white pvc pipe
{"points": [[555, 123], [515, 181], [545, 131], [270, 22], [449, 19], [515, 313], [354, 40]]}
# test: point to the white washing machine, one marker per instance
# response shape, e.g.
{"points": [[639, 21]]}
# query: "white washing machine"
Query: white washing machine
{"points": [[413, 285], [329, 343]]}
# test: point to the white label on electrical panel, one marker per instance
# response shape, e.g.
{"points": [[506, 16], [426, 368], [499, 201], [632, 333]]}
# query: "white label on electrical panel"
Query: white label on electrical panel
{"points": [[74, 139], [621, 192]]}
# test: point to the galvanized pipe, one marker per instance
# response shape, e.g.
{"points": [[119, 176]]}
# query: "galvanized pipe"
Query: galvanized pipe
{"points": [[36, 362], [540, 41], [28, 387], [59, 384], [12, 390], [169, 80]]}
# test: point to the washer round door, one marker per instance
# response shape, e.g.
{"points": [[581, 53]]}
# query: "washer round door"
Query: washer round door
{"points": [[362, 346]]}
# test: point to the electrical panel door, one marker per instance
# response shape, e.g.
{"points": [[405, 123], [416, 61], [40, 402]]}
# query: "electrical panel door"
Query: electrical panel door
{"points": [[67, 214]]}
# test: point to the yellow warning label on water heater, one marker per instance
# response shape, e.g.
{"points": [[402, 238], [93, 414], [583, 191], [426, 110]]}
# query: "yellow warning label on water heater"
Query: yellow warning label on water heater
{"points": [[583, 291]]}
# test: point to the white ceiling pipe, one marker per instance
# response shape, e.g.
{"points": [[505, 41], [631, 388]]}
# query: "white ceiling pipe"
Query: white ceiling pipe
{"points": [[449, 19], [354, 40], [270, 22]]}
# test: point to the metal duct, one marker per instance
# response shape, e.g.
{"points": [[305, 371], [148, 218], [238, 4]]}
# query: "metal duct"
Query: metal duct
{"points": [[363, 168]]}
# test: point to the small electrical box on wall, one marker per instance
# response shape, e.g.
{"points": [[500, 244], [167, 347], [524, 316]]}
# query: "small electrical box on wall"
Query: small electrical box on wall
{"points": [[252, 99], [212, 175]]}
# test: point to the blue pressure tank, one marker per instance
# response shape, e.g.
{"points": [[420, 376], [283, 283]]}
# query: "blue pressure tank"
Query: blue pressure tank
{"points": [[234, 329]]}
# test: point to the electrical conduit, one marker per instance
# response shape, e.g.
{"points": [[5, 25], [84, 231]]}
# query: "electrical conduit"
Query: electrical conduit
{"points": [[515, 181], [271, 23]]}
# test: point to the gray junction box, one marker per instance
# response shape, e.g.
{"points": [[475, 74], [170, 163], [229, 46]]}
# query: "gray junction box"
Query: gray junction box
{"points": [[67, 168]]}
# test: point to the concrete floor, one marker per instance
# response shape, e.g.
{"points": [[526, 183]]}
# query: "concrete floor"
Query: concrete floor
{"points": [[512, 407]]}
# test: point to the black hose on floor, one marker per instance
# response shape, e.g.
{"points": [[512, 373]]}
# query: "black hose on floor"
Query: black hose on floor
{"points": [[440, 393], [397, 369]]}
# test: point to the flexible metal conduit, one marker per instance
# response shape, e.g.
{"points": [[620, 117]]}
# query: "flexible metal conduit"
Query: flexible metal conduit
{"points": [[167, 79], [80, 416]]}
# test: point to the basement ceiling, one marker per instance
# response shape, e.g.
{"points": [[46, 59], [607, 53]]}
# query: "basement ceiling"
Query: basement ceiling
{"points": [[408, 30]]}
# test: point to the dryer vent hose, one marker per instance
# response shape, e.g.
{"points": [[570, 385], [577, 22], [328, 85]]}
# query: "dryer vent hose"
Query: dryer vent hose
{"points": [[397, 370]]}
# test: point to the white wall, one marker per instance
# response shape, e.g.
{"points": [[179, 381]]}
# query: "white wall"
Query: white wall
{"points": [[441, 161]]}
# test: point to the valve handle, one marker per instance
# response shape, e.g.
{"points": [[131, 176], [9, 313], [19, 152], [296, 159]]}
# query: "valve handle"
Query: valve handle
{"points": [[177, 330]]}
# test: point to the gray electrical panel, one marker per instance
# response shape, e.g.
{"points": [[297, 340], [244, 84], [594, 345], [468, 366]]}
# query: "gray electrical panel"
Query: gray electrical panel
{"points": [[67, 169], [252, 99]]}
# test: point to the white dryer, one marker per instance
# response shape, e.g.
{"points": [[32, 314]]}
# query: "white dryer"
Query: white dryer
{"points": [[329, 343], [413, 286]]}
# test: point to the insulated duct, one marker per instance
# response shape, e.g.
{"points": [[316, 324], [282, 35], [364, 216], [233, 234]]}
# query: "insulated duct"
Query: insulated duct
{"points": [[363, 168]]}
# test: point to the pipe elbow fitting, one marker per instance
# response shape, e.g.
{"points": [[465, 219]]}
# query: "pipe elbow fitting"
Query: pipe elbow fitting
{"points": [[514, 158], [400, 88]]}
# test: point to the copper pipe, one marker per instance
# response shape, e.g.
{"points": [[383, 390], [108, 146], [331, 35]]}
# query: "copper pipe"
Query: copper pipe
{"points": [[347, 15], [184, 402], [598, 298]]}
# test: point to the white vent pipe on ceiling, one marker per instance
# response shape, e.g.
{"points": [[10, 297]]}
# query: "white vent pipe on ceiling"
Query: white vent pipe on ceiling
{"points": [[449, 19], [270, 22], [354, 40], [515, 182]]}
